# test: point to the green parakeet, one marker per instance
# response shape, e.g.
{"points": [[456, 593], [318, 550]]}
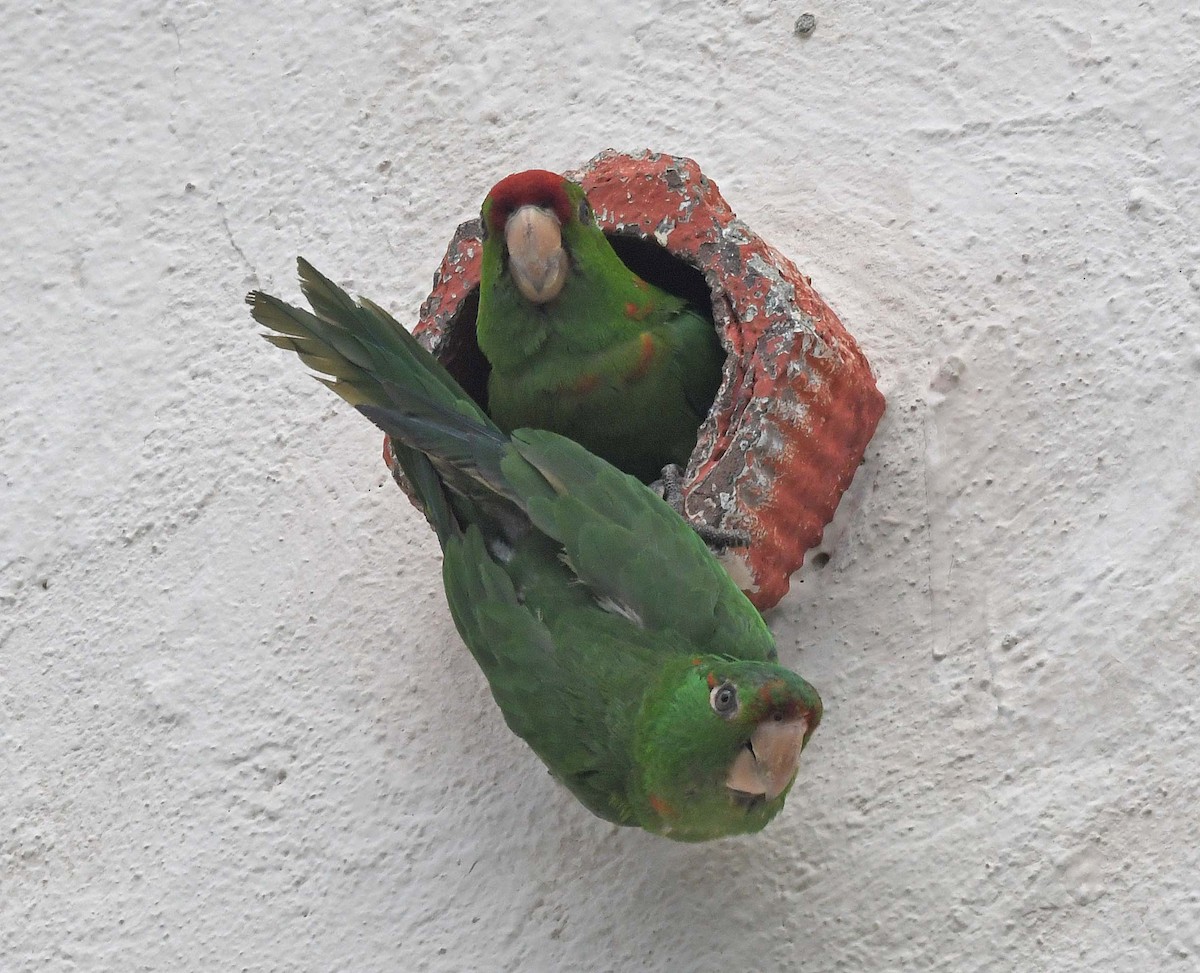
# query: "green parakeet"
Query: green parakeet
{"points": [[577, 342], [614, 643]]}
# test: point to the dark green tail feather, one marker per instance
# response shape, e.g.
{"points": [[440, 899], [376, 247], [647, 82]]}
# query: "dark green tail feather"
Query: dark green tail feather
{"points": [[359, 346], [463, 456], [370, 360]]}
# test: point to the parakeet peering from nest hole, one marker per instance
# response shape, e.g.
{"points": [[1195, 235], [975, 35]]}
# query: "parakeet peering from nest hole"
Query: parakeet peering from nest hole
{"points": [[580, 344]]}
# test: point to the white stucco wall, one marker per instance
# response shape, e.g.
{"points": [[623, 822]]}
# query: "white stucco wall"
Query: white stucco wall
{"points": [[237, 729]]}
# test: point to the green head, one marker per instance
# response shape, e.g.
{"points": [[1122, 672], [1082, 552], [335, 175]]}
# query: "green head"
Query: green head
{"points": [[718, 746]]}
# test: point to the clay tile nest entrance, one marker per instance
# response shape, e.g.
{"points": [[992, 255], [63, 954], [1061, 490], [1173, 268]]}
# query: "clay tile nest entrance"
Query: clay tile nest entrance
{"points": [[797, 403]]}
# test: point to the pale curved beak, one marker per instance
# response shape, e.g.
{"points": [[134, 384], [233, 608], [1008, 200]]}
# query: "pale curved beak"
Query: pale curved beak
{"points": [[769, 761], [536, 257]]}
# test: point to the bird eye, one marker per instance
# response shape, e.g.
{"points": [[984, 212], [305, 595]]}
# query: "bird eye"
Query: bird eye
{"points": [[585, 212], [723, 699]]}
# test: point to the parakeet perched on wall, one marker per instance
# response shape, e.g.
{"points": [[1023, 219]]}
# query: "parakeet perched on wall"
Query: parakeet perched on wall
{"points": [[613, 642], [580, 344]]}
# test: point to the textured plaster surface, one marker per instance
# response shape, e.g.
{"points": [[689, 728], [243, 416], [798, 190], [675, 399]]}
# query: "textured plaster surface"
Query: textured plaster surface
{"points": [[237, 730]]}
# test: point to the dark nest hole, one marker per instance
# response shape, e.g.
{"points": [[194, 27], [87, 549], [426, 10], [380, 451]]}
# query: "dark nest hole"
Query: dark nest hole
{"points": [[459, 350]]}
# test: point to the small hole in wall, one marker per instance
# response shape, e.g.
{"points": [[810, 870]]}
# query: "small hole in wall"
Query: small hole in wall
{"points": [[820, 559], [659, 267], [459, 350]]}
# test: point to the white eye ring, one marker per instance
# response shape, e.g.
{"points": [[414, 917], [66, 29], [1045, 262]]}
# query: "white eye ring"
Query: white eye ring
{"points": [[724, 700]]}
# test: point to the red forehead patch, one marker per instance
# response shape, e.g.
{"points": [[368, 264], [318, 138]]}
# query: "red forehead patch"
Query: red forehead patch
{"points": [[766, 692], [535, 187], [786, 708]]}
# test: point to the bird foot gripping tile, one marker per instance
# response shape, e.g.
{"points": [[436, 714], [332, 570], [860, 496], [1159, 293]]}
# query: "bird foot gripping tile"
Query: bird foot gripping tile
{"points": [[797, 403]]}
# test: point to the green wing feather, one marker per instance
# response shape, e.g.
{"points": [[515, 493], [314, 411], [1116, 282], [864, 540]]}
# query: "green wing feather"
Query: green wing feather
{"points": [[618, 535]]}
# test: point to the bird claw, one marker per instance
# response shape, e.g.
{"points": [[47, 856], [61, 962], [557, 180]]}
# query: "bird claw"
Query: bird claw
{"points": [[718, 539], [669, 487]]}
